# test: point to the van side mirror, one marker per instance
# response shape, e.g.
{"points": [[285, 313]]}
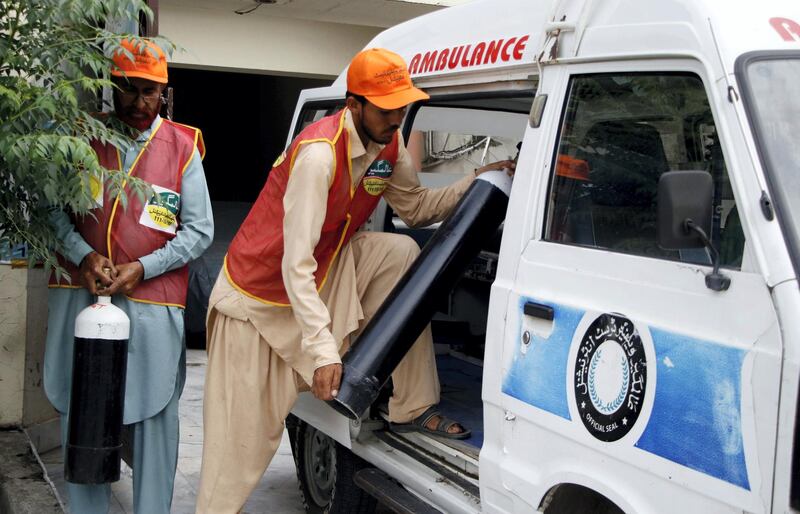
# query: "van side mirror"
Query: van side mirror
{"points": [[684, 217], [683, 195]]}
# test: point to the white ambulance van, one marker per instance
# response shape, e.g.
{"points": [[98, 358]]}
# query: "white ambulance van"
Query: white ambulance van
{"points": [[630, 340]]}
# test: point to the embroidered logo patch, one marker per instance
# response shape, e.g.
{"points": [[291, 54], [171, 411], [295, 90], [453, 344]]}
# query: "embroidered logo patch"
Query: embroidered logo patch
{"points": [[161, 211], [376, 177]]}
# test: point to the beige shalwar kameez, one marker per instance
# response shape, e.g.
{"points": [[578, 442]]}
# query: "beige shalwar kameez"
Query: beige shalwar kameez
{"points": [[260, 356]]}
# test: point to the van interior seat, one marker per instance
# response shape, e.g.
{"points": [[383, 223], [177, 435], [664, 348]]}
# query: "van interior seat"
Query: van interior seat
{"points": [[626, 159]]}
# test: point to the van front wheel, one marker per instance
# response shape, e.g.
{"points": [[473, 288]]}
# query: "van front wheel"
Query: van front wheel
{"points": [[325, 472]]}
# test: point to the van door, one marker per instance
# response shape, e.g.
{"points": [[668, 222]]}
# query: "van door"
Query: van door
{"points": [[623, 373]]}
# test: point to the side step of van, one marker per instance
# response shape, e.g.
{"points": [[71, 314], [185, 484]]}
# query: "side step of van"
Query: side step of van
{"points": [[392, 495]]}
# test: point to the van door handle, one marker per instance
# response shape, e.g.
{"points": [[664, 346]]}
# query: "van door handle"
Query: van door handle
{"points": [[538, 310]]}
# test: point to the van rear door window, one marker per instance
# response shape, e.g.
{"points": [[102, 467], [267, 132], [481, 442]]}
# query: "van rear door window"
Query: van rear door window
{"points": [[315, 111]]}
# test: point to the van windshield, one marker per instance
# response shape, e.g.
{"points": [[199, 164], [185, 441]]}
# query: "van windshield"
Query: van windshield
{"points": [[770, 84]]}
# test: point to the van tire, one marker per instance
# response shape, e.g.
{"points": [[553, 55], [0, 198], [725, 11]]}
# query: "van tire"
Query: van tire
{"points": [[325, 471]]}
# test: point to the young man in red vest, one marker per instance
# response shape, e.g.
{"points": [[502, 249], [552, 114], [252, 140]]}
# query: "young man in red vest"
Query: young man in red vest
{"points": [[299, 282], [146, 246]]}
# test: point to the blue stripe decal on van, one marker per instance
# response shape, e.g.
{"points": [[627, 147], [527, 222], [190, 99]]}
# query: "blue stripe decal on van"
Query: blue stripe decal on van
{"points": [[696, 417], [538, 377]]}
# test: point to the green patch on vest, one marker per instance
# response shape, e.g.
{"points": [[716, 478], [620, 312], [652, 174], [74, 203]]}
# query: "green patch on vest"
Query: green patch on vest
{"points": [[380, 169], [161, 211], [376, 177]]}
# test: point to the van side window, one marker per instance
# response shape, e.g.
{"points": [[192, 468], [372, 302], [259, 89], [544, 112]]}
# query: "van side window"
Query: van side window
{"points": [[459, 136], [619, 133], [315, 111]]}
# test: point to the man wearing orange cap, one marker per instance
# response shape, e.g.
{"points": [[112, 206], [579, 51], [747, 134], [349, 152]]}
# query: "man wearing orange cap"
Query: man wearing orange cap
{"points": [[146, 246], [299, 281]]}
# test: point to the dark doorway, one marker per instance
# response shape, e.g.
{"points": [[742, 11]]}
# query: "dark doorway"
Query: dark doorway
{"points": [[245, 119]]}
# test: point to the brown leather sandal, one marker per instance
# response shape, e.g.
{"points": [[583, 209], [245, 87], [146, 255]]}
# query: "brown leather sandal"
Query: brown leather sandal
{"points": [[420, 425]]}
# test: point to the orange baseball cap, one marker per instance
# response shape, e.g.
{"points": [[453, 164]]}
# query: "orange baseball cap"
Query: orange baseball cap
{"points": [[382, 78], [570, 167], [149, 62]]}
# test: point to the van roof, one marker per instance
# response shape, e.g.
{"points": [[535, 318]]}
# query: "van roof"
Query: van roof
{"points": [[491, 37]]}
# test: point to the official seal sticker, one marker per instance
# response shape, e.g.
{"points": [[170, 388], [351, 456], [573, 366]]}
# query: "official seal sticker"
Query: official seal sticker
{"points": [[610, 377], [376, 177], [161, 211]]}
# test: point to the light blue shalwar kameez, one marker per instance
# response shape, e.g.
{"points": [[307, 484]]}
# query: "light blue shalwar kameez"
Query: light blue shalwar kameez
{"points": [[156, 352]]}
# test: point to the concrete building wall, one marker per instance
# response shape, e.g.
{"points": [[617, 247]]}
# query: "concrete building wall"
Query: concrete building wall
{"points": [[13, 315], [36, 408], [221, 39], [23, 326]]}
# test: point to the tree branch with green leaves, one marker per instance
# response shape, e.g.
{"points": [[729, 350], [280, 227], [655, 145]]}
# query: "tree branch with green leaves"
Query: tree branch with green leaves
{"points": [[55, 63]]}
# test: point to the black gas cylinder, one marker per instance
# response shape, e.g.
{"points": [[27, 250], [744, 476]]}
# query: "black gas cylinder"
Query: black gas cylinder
{"points": [[412, 303], [97, 396]]}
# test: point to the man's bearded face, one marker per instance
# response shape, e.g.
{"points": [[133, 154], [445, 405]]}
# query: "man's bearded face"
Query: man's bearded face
{"points": [[137, 101], [377, 124]]}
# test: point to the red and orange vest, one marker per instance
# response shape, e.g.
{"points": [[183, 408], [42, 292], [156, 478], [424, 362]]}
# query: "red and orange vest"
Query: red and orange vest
{"points": [[253, 262], [124, 235]]}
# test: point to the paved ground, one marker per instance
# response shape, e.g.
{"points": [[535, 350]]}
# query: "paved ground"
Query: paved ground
{"points": [[23, 488], [277, 492]]}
